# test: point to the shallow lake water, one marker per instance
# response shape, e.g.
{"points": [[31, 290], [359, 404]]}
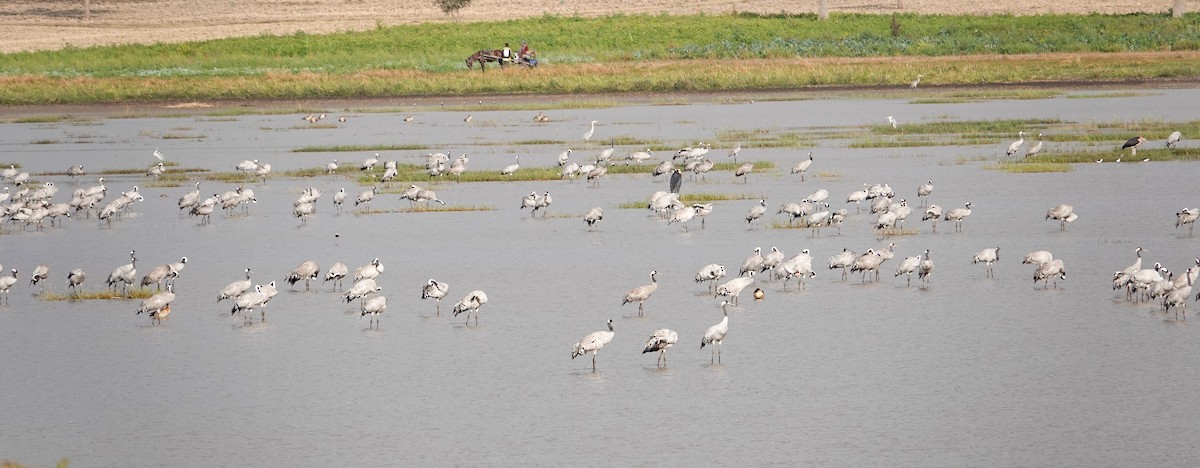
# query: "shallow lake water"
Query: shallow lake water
{"points": [[967, 371]]}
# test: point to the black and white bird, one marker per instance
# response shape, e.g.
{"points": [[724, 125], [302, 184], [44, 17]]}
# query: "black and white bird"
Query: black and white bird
{"points": [[661, 340], [1133, 144], [434, 289], [593, 342]]}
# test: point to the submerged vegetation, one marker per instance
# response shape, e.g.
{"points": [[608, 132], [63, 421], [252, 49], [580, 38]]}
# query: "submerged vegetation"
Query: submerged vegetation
{"points": [[596, 55]]}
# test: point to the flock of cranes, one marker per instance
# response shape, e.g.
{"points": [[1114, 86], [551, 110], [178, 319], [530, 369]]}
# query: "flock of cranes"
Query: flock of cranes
{"points": [[30, 206]]}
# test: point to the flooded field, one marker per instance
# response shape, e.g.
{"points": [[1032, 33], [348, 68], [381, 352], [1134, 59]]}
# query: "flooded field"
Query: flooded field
{"points": [[964, 371]]}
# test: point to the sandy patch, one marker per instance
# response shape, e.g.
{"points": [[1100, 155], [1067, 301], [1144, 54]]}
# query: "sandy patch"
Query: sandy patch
{"points": [[51, 24]]}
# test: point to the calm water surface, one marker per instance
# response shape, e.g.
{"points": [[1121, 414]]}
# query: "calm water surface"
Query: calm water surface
{"points": [[970, 371]]}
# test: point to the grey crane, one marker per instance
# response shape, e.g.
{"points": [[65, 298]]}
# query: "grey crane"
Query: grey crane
{"points": [[366, 197], [303, 211], [369, 271], [664, 167], [987, 257], [596, 173], [908, 266], [6, 283], [77, 170], [868, 262], [530, 201], [924, 190], [641, 293], [710, 273], [799, 267], [337, 273], [125, 274], [682, 216], [470, 304], [802, 166], [733, 288], [592, 343], [75, 279], [1064, 213], [374, 307], [1016, 145], [933, 212], [331, 167], [1187, 216], [434, 289], [702, 211], [1038, 257], [715, 335], [744, 171], [190, 198], [771, 260], [957, 215], [593, 216], [427, 195], [733, 152], [563, 157], [843, 260], [40, 273], [361, 289], [458, 167], [1053, 269], [1178, 297], [236, 288], [752, 263], [1036, 148], [158, 305], [926, 269], [661, 340], [250, 300], [1172, 140], [756, 212], [339, 198], [892, 121], [308, 270], [369, 163]]}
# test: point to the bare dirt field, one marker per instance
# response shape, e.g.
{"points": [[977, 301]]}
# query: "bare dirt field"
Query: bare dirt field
{"points": [[51, 24]]}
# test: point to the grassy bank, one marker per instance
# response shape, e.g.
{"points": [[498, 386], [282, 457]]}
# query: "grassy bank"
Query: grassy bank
{"points": [[620, 54]]}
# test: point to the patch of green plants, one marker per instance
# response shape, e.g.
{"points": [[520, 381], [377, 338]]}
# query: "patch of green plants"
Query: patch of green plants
{"points": [[962, 96], [359, 148], [596, 55], [446, 208], [1028, 167]]}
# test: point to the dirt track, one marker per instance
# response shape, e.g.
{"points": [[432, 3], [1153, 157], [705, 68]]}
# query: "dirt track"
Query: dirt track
{"points": [[51, 24]]}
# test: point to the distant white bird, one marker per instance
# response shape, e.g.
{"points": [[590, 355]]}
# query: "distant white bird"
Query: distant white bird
{"points": [[743, 171], [235, 288], [592, 343], [339, 198], [369, 271], [511, 168], [247, 166], [925, 269], [374, 307], [756, 212], [908, 266], [987, 256], [733, 152], [1187, 216], [1064, 214], [710, 273], [6, 283], [159, 155], [1173, 139], [924, 190], [361, 289], [1053, 269], [157, 304], [331, 167], [308, 270], [682, 216], [75, 278], [337, 273], [715, 334], [588, 135], [593, 216], [733, 288], [1036, 148], [1016, 145], [916, 82], [369, 163], [470, 304], [366, 197], [661, 340], [641, 293], [892, 121], [802, 166], [957, 215], [434, 289]]}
